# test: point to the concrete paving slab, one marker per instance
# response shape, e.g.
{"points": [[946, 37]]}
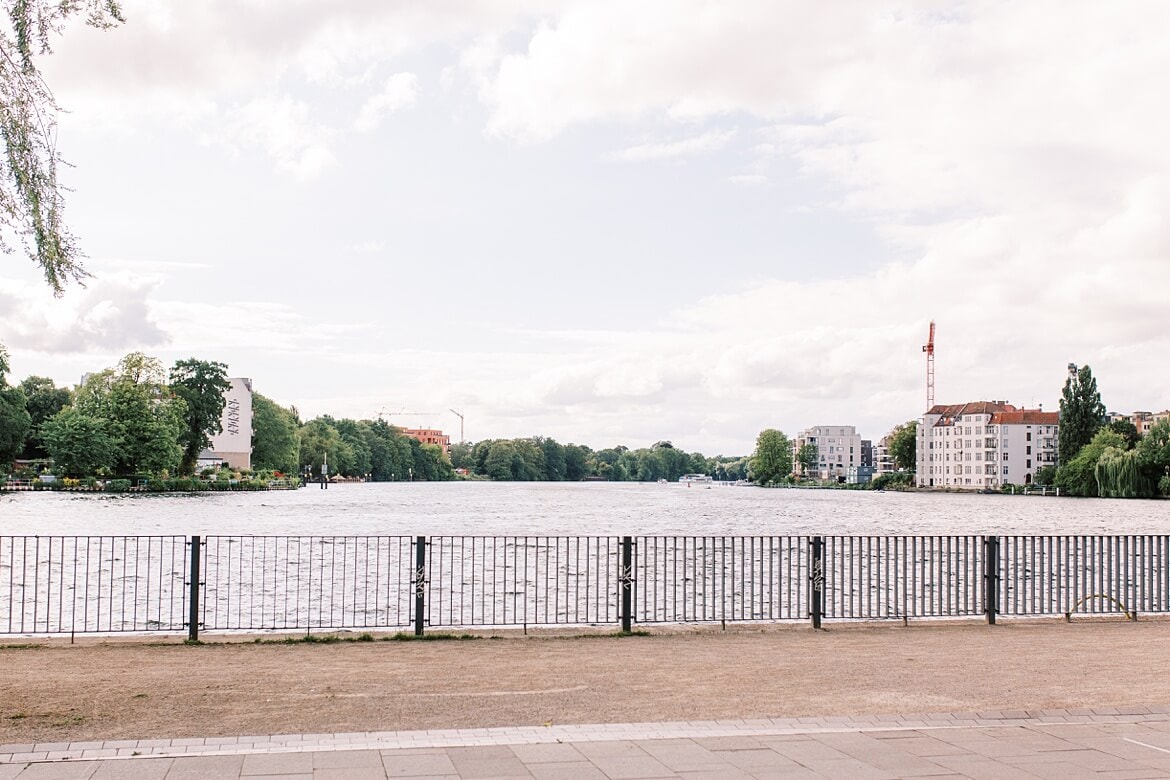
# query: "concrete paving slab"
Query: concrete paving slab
{"points": [[155, 769], [413, 764]]}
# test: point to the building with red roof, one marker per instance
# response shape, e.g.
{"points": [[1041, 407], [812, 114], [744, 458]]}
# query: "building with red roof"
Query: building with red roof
{"points": [[982, 445]]}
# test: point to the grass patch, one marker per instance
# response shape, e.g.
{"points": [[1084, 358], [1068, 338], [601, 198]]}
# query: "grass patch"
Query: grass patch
{"points": [[403, 636], [606, 635], [21, 647], [332, 639]]}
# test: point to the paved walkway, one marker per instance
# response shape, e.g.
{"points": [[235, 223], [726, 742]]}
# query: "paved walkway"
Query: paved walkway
{"points": [[1066, 744]]}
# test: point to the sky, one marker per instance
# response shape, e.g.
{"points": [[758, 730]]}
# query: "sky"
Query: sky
{"points": [[614, 222]]}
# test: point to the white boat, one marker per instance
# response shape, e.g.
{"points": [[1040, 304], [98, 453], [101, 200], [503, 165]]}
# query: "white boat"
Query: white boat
{"points": [[688, 479]]}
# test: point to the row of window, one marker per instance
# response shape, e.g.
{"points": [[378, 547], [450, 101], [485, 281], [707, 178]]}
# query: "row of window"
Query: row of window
{"points": [[988, 469]]}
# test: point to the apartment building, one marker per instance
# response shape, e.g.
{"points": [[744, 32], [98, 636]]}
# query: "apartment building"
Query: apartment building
{"points": [[838, 450], [984, 444], [882, 462], [1143, 421], [429, 436]]}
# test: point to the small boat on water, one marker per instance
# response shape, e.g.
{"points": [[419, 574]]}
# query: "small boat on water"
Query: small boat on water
{"points": [[689, 479]]}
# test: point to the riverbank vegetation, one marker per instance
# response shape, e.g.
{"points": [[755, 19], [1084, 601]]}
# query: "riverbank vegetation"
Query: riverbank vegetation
{"points": [[1109, 459], [136, 426]]}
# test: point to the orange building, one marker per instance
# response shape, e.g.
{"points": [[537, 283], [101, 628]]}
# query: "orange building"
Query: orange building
{"points": [[429, 436]]}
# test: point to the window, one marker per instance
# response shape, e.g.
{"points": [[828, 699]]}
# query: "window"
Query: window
{"points": [[1028, 465], [1005, 457], [1005, 471], [1028, 450], [1028, 436]]}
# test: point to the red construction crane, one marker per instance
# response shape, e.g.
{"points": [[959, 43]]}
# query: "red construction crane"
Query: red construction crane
{"points": [[928, 348]]}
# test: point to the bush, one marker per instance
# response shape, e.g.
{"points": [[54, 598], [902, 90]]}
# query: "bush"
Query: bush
{"points": [[892, 480], [118, 486]]}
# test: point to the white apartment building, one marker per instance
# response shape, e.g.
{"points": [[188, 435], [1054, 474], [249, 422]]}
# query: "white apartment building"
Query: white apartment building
{"points": [[882, 462], [984, 444], [838, 450]]}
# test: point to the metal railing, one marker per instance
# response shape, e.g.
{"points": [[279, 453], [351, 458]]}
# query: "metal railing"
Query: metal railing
{"points": [[102, 584]]}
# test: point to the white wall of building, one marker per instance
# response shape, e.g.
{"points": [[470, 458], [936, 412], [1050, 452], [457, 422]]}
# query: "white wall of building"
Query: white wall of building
{"points": [[234, 444], [838, 449]]}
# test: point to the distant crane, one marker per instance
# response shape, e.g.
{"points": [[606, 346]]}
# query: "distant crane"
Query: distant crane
{"points": [[403, 413], [928, 348], [460, 416]]}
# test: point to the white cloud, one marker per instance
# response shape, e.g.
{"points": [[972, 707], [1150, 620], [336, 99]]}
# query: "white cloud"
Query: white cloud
{"points": [[700, 144], [282, 129], [398, 93], [111, 313], [1010, 159], [748, 179]]}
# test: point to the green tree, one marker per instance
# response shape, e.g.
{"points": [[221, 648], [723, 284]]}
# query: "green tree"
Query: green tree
{"points": [[43, 399], [201, 384], [903, 446], [1154, 449], [1045, 475], [554, 459], [14, 418], [772, 460], [1119, 474], [353, 435], [275, 437], [1081, 413], [461, 456], [1078, 477], [576, 462], [1128, 430], [31, 199], [320, 443], [143, 419], [79, 444], [806, 456], [498, 463]]}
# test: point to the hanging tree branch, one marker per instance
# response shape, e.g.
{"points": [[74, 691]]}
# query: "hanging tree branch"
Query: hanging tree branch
{"points": [[31, 198]]}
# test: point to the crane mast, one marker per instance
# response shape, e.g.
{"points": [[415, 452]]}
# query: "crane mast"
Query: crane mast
{"points": [[928, 348]]}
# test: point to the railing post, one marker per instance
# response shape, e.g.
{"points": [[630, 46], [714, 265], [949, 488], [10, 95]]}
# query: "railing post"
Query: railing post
{"points": [[626, 580], [193, 593], [991, 577], [420, 582], [816, 580]]}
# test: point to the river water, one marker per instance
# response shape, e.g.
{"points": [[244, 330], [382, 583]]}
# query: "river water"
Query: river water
{"points": [[560, 509]]}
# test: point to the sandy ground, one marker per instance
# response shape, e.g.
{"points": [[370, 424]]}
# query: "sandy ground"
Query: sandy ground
{"points": [[54, 691]]}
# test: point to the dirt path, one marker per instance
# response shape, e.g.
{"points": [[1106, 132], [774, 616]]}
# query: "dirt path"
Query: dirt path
{"points": [[113, 690]]}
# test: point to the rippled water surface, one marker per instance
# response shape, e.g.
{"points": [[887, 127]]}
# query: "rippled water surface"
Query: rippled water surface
{"points": [[484, 508]]}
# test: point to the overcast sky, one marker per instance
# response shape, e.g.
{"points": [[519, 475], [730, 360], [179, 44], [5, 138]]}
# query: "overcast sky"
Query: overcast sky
{"points": [[616, 222]]}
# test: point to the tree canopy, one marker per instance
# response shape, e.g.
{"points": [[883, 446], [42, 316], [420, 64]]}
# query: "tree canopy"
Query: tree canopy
{"points": [[201, 385], [43, 399], [1081, 413], [772, 460], [14, 417], [903, 446]]}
